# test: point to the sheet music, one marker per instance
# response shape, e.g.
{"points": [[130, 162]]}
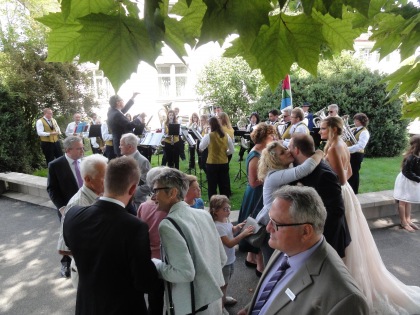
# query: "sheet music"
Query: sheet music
{"points": [[152, 138]]}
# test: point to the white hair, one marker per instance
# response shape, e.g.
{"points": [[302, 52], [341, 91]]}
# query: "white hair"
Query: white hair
{"points": [[89, 164]]}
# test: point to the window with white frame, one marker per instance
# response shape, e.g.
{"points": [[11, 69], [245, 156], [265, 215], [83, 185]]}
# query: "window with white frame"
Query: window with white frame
{"points": [[172, 80]]}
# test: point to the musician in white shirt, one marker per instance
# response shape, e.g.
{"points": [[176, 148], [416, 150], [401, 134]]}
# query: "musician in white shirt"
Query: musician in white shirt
{"points": [[298, 126]]}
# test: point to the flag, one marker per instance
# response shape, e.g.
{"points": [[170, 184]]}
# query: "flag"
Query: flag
{"points": [[286, 93]]}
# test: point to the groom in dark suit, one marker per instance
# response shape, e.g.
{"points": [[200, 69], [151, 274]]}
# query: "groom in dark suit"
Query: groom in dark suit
{"points": [[304, 276], [111, 247], [326, 183]]}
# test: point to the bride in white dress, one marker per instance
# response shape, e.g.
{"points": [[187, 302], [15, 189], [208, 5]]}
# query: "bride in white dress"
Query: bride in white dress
{"points": [[384, 292]]}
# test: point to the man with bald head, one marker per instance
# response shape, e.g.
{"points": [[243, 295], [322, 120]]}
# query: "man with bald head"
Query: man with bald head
{"points": [[72, 127], [49, 133], [305, 275]]}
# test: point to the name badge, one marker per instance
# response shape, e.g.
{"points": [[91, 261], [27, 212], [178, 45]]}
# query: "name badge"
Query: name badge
{"points": [[290, 294]]}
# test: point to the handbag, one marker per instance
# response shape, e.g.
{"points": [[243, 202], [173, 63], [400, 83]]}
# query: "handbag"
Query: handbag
{"points": [[171, 303], [257, 238]]}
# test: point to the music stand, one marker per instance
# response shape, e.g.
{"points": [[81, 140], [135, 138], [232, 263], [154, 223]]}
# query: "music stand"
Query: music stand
{"points": [[191, 144], [152, 139], [95, 131], [240, 133], [173, 129]]}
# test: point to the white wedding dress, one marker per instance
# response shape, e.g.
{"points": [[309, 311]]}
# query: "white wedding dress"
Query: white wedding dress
{"points": [[385, 294]]}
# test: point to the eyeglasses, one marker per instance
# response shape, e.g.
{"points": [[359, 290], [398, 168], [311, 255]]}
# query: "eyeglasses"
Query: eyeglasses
{"points": [[226, 209], [155, 190], [277, 225]]}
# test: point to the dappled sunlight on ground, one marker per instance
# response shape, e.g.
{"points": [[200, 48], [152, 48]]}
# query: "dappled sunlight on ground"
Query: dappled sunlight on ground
{"points": [[30, 264]]}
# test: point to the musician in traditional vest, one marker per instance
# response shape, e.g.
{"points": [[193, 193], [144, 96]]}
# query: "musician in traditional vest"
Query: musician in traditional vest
{"points": [[357, 150], [273, 117], [49, 132], [107, 138], [171, 148], [71, 129], [283, 130], [298, 126]]}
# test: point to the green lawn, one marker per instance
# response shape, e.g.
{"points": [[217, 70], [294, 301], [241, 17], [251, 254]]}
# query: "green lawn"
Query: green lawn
{"points": [[376, 174]]}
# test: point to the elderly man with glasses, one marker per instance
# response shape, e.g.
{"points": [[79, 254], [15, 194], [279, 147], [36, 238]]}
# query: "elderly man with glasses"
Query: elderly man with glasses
{"points": [[333, 110], [305, 275]]}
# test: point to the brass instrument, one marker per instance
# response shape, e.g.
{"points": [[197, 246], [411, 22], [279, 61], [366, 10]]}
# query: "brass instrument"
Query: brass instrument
{"points": [[348, 135], [242, 123], [196, 133], [205, 110], [163, 112], [320, 115]]}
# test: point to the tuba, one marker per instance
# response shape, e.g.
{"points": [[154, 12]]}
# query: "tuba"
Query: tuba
{"points": [[320, 115], [348, 135], [163, 112]]}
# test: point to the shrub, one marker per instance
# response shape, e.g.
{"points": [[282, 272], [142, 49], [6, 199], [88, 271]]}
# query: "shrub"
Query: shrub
{"points": [[354, 89]]}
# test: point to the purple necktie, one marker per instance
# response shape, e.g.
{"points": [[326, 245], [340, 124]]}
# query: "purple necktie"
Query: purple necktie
{"points": [[275, 278], [78, 176]]}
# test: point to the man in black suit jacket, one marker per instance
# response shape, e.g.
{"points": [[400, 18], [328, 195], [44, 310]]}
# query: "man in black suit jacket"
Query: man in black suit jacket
{"points": [[111, 247], [326, 183], [62, 183], [118, 124]]}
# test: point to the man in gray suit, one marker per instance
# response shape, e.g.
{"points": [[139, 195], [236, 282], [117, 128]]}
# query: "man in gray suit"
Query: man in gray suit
{"points": [[305, 275], [128, 147]]}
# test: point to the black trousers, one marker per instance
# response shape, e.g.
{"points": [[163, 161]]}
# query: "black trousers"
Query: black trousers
{"points": [[109, 152], [51, 150], [172, 155], [218, 176], [356, 160], [191, 150]]}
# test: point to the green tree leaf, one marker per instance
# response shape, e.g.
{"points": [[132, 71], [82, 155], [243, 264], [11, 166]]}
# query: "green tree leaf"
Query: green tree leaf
{"points": [[174, 37], [119, 43], [338, 33], [191, 20], [248, 16], [80, 8], [288, 39], [63, 40]]}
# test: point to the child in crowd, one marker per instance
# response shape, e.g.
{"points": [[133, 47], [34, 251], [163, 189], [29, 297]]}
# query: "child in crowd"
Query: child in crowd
{"points": [[220, 211], [407, 184]]}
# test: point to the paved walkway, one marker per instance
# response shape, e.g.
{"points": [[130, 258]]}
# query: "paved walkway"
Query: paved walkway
{"points": [[29, 263]]}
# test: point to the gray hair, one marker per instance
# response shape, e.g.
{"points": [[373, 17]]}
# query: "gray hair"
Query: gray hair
{"points": [[307, 205], [152, 173], [130, 139], [287, 111], [89, 164], [173, 178], [333, 107], [113, 100], [69, 141]]}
